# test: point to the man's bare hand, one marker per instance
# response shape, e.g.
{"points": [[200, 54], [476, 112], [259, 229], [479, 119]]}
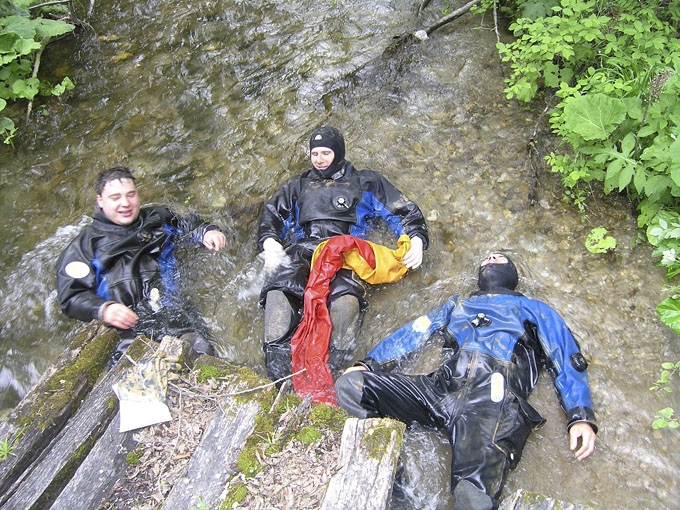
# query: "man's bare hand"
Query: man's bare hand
{"points": [[587, 435], [119, 316], [214, 240]]}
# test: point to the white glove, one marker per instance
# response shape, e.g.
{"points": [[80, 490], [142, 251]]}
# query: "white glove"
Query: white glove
{"points": [[414, 256], [274, 254]]}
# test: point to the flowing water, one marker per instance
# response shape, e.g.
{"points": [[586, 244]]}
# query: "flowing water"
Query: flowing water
{"points": [[211, 104]]}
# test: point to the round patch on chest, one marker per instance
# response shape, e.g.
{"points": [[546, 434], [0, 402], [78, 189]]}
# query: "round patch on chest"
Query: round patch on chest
{"points": [[77, 269]]}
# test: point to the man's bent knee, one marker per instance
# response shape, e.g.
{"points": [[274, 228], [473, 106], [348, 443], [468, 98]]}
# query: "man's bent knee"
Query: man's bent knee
{"points": [[279, 317]]}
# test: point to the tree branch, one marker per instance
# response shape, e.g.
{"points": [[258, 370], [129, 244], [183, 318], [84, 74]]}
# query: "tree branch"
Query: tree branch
{"points": [[450, 17]]}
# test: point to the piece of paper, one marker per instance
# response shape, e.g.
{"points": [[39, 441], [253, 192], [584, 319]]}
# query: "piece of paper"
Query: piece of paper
{"points": [[135, 415]]}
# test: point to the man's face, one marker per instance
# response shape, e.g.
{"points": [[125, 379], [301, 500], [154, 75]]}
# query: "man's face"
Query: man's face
{"points": [[495, 258], [119, 201], [321, 157]]}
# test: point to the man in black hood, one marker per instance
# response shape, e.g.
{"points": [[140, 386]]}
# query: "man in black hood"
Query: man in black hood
{"points": [[497, 275], [327, 151], [330, 199], [499, 339], [121, 268]]}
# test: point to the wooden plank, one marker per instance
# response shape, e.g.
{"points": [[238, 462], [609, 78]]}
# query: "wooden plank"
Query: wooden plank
{"points": [[366, 465], [44, 411], [40, 484], [104, 466], [92, 483], [214, 462]]}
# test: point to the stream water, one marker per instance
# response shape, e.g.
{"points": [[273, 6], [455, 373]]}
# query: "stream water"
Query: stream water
{"points": [[211, 104]]}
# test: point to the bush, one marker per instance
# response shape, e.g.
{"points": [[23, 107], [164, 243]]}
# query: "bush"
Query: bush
{"points": [[22, 40]]}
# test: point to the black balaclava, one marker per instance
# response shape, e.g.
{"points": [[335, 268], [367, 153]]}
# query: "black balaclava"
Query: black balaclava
{"points": [[498, 276], [327, 136]]}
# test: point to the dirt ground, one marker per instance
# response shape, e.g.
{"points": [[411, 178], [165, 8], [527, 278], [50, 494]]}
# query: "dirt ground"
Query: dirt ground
{"points": [[293, 478]]}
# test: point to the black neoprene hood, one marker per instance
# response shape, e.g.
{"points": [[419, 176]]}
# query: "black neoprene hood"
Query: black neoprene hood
{"points": [[327, 136], [492, 276]]}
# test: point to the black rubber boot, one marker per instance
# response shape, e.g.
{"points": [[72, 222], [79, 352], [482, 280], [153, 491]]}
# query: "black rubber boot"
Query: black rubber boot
{"points": [[199, 345], [280, 320], [346, 320], [278, 360], [466, 496], [349, 390]]}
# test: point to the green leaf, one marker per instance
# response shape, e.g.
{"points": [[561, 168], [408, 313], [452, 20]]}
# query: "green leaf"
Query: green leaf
{"points": [[667, 413], [599, 242], [674, 155], [669, 312], [26, 89], [659, 423], [594, 116], [66, 84], [23, 27], [51, 28]]}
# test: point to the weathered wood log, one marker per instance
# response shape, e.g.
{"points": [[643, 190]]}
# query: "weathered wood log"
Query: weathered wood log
{"points": [[106, 463], [214, 462], [39, 485], [44, 411], [367, 463], [96, 476], [402, 41]]}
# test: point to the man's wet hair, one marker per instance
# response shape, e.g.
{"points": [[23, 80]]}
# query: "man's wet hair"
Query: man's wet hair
{"points": [[112, 174]]}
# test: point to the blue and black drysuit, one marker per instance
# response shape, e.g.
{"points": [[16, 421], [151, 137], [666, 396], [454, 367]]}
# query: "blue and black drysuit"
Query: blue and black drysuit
{"points": [[311, 208], [496, 333], [123, 264]]}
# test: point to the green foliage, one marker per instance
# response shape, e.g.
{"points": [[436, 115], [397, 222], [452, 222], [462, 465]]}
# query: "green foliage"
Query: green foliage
{"points": [[614, 68], [6, 448], [665, 418], [134, 457], [663, 232], [669, 311], [8, 444], [22, 38], [599, 242]]}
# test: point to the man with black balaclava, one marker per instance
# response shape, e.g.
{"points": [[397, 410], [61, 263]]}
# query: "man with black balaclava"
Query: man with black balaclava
{"points": [[330, 199], [499, 339]]}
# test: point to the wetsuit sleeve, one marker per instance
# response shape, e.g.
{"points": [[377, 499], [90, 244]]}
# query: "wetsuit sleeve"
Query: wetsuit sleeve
{"points": [[401, 214], [76, 281], [279, 214], [191, 226], [565, 363], [409, 338]]}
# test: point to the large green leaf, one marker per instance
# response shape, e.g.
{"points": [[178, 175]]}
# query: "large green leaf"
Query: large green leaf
{"points": [[674, 152], [594, 116], [51, 28], [26, 89], [669, 311], [23, 27]]}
